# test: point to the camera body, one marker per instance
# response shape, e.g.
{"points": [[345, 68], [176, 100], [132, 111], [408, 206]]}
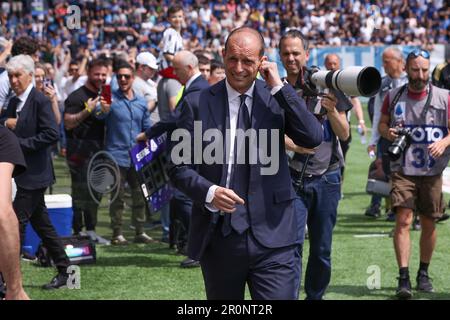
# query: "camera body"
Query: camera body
{"points": [[400, 144]]}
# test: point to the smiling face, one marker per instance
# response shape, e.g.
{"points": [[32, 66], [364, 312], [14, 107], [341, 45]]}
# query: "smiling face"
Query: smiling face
{"points": [[293, 55], [176, 19], [242, 58], [125, 79]]}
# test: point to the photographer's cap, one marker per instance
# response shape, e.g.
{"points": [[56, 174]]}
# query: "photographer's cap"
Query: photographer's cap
{"points": [[148, 59]]}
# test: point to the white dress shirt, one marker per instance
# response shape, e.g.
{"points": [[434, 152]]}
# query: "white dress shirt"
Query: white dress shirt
{"points": [[191, 79], [23, 98]]}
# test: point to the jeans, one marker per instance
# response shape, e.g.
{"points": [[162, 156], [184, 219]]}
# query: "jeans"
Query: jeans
{"points": [[321, 195]]}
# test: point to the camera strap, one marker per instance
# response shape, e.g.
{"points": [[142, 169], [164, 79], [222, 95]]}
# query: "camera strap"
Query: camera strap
{"points": [[400, 92]]}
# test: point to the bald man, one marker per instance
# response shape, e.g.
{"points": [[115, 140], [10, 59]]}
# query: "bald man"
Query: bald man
{"points": [[247, 226]]}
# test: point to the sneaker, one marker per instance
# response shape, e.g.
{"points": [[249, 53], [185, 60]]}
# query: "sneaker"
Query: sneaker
{"points": [[390, 216], [59, 281], [424, 282], [444, 217], [119, 241], [96, 238], [28, 257], [2, 288], [404, 288], [373, 211], [189, 263], [143, 238]]}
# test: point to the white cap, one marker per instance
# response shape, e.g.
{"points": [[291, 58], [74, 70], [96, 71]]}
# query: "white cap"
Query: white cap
{"points": [[146, 58]]}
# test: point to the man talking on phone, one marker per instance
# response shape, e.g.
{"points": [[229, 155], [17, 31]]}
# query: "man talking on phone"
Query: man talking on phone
{"points": [[246, 225], [85, 136]]}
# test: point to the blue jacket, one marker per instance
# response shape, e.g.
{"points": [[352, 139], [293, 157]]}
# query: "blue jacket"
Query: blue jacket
{"points": [[124, 121], [273, 218]]}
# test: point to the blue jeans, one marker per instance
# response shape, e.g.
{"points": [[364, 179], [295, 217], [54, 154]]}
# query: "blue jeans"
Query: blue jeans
{"points": [[321, 196]]}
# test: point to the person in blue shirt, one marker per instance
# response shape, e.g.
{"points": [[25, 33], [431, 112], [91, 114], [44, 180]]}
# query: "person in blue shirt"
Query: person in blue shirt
{"points": [[125, 118]]}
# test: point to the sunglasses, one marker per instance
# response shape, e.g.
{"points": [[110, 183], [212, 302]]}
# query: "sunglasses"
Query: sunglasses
{"points": [[126, 76], [418, 52]]}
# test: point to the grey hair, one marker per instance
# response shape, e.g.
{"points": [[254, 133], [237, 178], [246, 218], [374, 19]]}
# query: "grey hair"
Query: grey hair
{"points": [[22, 61], [397, 52], [188, 58]]}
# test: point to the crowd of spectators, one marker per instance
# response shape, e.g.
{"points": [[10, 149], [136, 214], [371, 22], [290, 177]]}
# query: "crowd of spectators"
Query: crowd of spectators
{"points": [[118, 25]]}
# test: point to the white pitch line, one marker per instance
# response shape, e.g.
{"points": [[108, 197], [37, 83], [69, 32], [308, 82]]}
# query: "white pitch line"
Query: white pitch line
{"points": [[373, 235]]}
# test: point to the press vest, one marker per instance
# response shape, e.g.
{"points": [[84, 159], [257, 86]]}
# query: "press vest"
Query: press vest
{"points": [[416, 160]]}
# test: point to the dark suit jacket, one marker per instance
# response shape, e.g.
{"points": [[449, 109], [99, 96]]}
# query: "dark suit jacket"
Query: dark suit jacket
{"points": [[37, 131], [273, 220], [159, 128]]}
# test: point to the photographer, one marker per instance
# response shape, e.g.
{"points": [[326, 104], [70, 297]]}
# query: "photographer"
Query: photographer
{"points": [[319, 184], [421, 109]]}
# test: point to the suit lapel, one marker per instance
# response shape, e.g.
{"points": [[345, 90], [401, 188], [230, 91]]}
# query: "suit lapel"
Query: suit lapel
{"points": [[26, 107], [220, 115], [218, 107]]}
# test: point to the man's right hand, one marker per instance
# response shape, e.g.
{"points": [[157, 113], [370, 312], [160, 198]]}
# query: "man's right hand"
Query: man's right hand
{"points": [[91, 103], [11, 123], [226, 199], [392, 134]]}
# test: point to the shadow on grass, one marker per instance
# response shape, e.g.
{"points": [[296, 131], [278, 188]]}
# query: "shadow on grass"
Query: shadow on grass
{"points": [[363, 293], [348, 195], [137, 261]]}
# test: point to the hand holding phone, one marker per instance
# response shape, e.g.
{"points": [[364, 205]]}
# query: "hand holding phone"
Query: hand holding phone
{"points": [[106, 93]]}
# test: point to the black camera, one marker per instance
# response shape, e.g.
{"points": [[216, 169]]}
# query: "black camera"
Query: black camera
{"points": [[400, 144]]}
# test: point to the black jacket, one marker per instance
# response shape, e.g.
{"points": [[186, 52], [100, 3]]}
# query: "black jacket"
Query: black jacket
{"points": [[36, 131]]}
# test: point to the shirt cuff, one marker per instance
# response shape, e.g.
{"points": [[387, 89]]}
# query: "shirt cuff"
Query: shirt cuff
{"points": [[210, 197], [276, 89]]}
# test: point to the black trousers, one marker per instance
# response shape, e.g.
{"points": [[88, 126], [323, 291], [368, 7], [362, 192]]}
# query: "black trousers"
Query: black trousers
{"points": [[84, 207], [29, 206]]}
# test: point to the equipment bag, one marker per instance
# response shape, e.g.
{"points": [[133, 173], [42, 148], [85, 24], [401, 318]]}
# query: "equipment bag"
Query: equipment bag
{"points": [[79, 249]]}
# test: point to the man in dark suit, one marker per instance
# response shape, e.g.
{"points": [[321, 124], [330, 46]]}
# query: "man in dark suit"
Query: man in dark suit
{"points": [[30, 116], [186, 68], [247, 225]]}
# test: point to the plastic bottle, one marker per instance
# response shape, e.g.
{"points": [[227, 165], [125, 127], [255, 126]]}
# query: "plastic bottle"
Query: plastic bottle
{"points": [[362, 136]]}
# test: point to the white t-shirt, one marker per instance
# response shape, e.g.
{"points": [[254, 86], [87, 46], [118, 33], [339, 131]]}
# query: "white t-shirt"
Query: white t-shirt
{"points": [[70, 86]]}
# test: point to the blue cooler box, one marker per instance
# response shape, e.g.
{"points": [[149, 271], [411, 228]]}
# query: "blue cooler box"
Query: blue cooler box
{"points": [[60, 211]]}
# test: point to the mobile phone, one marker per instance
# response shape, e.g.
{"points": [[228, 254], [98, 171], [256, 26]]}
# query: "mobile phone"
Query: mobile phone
{"points": [[106, 93], [47, 82]]}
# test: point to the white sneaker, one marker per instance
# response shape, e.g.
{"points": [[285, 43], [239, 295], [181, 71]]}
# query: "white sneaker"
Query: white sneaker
{"points": [[96, 238]]}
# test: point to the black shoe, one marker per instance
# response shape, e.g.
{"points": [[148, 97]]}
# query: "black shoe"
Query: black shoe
{"points": [[373, 211], [444, 217], [404, 288], [189, 263], [59, 281], [424, 282], [2, 288], [390, 216]]}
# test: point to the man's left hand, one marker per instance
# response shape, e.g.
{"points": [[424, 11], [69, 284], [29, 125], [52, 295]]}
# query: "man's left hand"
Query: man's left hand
{"points": [[269, 72], [141, 137], [329, 102], [436, 149]]}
